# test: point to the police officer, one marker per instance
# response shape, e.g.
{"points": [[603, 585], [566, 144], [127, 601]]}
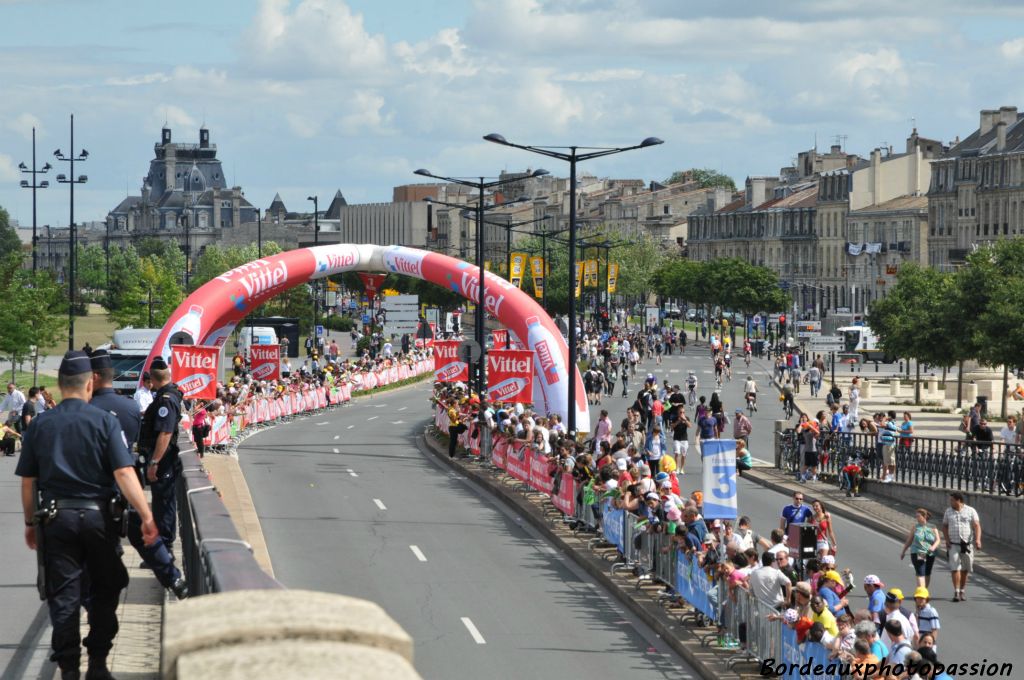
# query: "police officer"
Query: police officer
{"points": [[158, 444], [156, 556], [74, 454]]}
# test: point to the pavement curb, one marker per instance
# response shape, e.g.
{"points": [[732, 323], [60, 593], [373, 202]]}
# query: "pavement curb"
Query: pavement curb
{"points": [[705, 661]]}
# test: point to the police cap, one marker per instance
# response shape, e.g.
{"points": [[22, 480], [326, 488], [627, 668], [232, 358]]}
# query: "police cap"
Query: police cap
{"points": [[75, 363], [158, 364], [100, 360]]}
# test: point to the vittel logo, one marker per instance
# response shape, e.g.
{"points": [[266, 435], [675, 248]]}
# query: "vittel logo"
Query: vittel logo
{"points": [[547, 362], [194, 384], [508, 364], [227, 276], [402, 261], [263, 371], [195, 361], [336, 260], [447, 351], [266, 278], [262, 353]]}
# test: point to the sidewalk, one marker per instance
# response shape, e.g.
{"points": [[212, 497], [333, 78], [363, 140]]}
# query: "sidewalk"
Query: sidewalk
{"points": [[998, 561]]}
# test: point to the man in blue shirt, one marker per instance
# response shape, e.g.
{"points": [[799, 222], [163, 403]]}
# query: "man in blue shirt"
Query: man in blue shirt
{"points": [[875, 590], [795, 513]]}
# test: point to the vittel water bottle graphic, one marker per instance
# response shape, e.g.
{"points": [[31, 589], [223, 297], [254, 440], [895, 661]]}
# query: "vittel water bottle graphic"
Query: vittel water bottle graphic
{"points": [[506, 389], [450, 372], [549, 360], [185, 330]]}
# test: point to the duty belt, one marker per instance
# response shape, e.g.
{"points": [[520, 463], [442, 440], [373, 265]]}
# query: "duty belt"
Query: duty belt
{"points": [[79, 504]]}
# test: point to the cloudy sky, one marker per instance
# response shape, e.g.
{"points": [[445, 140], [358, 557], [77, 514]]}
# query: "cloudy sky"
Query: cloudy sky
{"points": [[308, 96]]}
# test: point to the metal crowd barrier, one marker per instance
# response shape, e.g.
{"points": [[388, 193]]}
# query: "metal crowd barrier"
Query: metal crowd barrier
{"points": [[214, 557]]}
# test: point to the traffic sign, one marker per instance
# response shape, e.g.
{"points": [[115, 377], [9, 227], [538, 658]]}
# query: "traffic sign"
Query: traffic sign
{"points": [[827, 343], [757, 319], [319, 331]]}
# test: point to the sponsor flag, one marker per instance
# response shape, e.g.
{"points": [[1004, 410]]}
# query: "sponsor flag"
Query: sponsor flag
{"points": [[510, 376], [500, 336], [265, 361], [487, 265], [579, 278], [719, 460], [518, 269], [590, 273], [537, 272], [448, 366], [194, 370], [372, 284], [613, 277]]}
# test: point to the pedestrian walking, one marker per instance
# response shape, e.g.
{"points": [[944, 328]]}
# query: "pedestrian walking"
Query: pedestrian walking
{"points": [[922, 541], [158, 445], [961, 527], [72, 456]]}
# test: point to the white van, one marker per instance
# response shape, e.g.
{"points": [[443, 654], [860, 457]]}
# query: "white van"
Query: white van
{"points": [[255, 335], [128, 350]]}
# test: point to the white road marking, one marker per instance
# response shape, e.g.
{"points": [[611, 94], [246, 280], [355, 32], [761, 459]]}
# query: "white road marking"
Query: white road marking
{"points": [[397, 422], [418, 553], [403, 408], [348, 428], [379, 503], [477, 637], [380, 406], [323, 423], [352, 473], [373, 417], [673, 370], [336, 450], [337, 436]]}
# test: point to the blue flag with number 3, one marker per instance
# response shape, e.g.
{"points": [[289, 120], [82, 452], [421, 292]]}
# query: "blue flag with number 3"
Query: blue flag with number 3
{"points": [[719, 458]]}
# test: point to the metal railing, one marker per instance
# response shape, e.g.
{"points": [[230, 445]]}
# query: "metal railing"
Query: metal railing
{"points": [[961, 464], [214, 557]]}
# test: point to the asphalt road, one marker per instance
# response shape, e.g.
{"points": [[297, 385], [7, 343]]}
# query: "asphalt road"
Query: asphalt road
{"points": [[349, 504], [986, 625]]}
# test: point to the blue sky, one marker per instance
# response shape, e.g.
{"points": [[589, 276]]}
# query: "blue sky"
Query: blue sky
{"points": [[309, 96]]}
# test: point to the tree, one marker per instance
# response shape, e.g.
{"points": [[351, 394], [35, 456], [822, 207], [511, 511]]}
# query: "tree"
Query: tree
{"points": [[153, 279], [34, 308], [913, 320], [9, 241], [706, 178], [91, 272]]}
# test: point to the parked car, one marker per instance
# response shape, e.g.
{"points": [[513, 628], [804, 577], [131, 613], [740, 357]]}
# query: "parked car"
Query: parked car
{"points": [[672, 310]]}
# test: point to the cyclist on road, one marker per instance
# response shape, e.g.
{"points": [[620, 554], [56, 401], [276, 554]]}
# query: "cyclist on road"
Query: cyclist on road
{"points": [[788, 405], [719, 369], [728, 364], [691, 388], [750, 391], [747, 351]]}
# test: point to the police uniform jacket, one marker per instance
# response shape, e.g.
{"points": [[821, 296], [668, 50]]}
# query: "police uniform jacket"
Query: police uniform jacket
{"points": [[73, 450], [124, 409], [162, 416]]}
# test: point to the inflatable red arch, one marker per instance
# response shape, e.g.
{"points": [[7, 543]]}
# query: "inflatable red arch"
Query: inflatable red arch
{"points": [[209, 315]]}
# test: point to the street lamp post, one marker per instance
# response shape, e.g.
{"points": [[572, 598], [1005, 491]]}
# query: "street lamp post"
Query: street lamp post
{"points": [[71, 180], [572, 157], [33, 186], [316, 283], [259, 233], [481, 186]]}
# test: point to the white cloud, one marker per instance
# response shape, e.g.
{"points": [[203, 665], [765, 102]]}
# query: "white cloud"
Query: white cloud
{"points": [[23, 124], [8, 171], [444, 54], [315, 38], [603, 75], [1013, 49], [174, 116], [869, 71], [302, 125], [134, 81], [365, 114]]}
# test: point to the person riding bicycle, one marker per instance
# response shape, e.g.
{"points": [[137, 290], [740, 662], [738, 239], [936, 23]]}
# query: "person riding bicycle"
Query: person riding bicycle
{"points": [[788, 405], [719, 368], [691, 388], [728, 363], [750, 391]]}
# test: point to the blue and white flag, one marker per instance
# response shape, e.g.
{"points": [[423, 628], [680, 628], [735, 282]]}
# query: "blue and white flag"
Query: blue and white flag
{"points": [[719, 456]]}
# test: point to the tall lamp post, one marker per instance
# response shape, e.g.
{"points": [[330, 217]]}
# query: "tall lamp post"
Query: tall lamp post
{"points": [[481, 186], [316, 284], [33, 186], [71, 180], [572, 157], [259, 233]]}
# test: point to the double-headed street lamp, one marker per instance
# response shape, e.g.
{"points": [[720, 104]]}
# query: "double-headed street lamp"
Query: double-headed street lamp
{"points": [[33, 186], [71, 180], [481, 186], [572, 157]]}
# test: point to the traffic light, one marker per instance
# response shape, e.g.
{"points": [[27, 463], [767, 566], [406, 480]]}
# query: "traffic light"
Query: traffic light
{"points": [[782, 325]]}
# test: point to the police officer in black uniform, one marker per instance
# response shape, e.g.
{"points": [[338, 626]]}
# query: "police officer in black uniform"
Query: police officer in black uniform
{"points": [[156, 556], [74, 454], [158, 444]]}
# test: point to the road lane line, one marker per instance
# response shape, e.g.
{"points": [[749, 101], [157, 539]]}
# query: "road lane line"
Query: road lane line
{"points": [[380, 406], [352, 472], [336, 450], [337, 436], [350, 427], [403, 408], [379, 503], [418, 553], [323, 423], [477, 637], [373, 417]]}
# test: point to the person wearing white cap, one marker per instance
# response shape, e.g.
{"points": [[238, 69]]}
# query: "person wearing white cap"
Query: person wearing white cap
{"points": [[874, 588]]}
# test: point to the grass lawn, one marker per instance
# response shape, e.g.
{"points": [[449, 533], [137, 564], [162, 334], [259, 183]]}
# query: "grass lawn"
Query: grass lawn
{"points": [[95, 328]]}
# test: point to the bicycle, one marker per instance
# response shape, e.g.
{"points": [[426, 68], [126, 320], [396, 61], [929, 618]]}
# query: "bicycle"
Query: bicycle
{"points": [[751, 405], [746, 358], [691, 395], [787, 407]]}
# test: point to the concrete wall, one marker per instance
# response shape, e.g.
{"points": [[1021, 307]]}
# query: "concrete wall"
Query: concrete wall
{"points": [[272, 634], [1002, 518]]}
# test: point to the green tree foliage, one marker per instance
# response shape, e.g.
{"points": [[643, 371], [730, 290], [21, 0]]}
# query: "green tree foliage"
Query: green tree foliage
{"points": [[9, 241], [912, 320], [705, 178], [34, 308], [732, 284], [136, 280], [91, 272]]}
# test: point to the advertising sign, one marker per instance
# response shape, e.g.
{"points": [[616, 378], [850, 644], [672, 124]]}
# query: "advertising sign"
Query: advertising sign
{"points": [[719, 456], [652, 317], [613, 276], [579, 278], [537, 271], [372, 284], [518, 269], [500, 336], [590, 272], [448, 366], [194, 370], [266, 362], [510, 376]]}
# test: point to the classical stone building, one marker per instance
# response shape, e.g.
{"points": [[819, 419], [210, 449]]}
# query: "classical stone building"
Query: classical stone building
{"points": [[976, 193]]}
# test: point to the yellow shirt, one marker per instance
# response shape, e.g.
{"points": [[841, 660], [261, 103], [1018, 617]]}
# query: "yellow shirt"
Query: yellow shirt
{"points": [[827, 619], [453, 416]]}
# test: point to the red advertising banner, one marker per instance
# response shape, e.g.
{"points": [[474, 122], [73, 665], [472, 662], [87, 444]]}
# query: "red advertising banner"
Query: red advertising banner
{"points": [[194, 370], [265, 361], [510, 376], [500, 338], [517, 462], [372, 284], [448, 367]]}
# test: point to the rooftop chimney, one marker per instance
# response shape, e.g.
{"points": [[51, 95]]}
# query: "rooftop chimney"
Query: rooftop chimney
{"points": [[1000, 135], [1008, 114], [988, 119]]}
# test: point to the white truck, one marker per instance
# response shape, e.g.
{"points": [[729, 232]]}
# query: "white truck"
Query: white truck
{"points": [[862, 342], [128, 349], [255, 335]]}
